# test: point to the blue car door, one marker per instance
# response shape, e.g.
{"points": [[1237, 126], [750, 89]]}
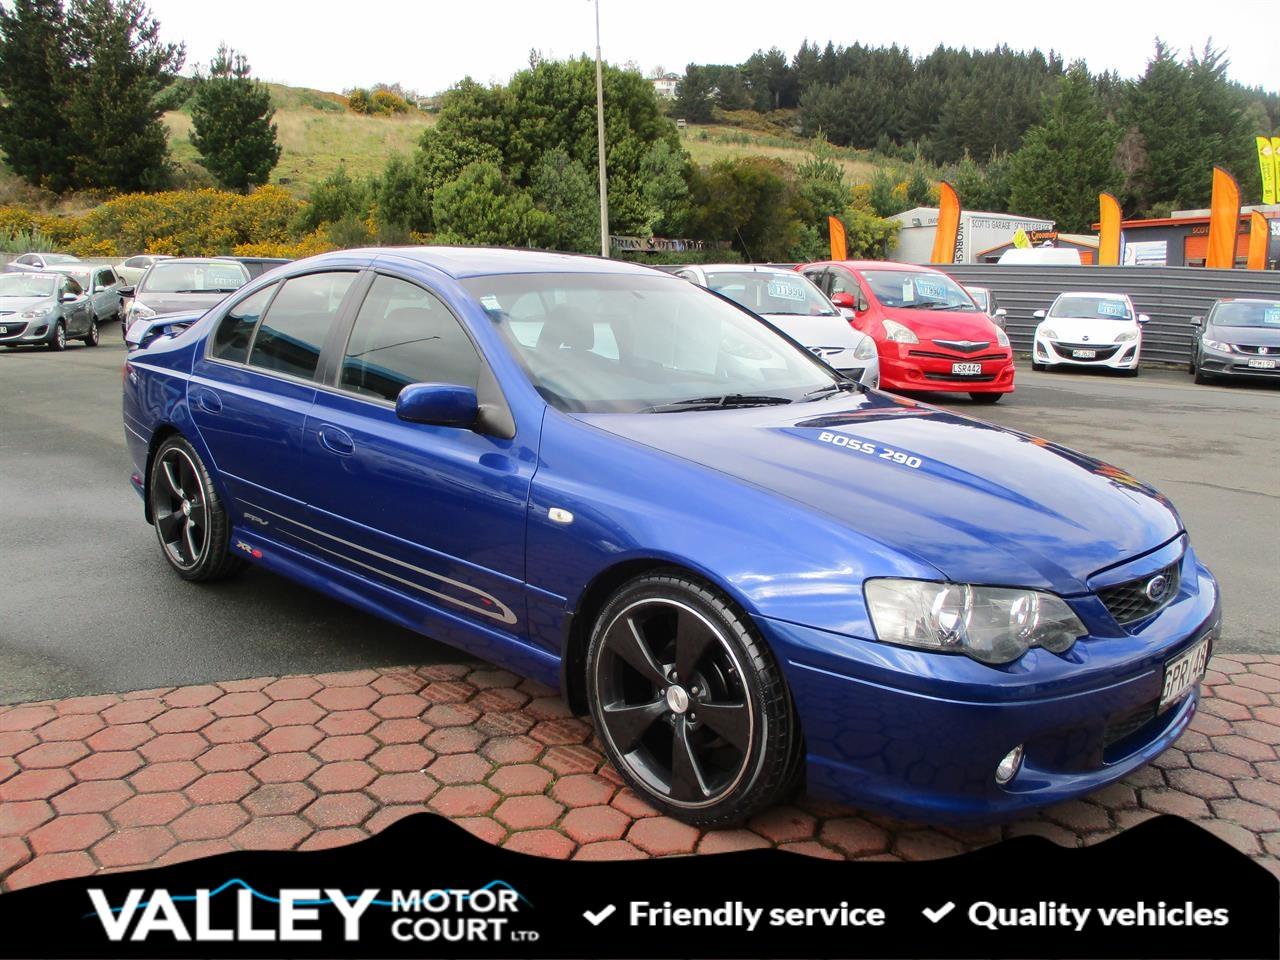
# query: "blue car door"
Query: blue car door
{"points": [[436, 514], [252, 388]]}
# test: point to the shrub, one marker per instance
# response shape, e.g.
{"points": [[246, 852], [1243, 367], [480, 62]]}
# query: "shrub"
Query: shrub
{"points": [[386, 103], [313, 243], [359, 101]]}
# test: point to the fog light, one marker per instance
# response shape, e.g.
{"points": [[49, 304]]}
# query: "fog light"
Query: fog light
{"points": [[41, 330], [1008, 767]]}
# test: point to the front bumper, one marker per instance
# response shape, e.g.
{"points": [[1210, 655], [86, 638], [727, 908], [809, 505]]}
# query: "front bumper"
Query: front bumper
{"points": [[925, 367], [17, 331], [1115, 356], [919, 734], [1234, 364]]}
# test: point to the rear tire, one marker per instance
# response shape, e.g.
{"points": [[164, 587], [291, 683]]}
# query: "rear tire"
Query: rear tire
{"points": [[190, 522], [986, 398], [667, 654]]}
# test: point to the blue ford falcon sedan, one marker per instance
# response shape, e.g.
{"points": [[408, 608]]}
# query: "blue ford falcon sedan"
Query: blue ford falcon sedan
{"points": [[750, 571]]}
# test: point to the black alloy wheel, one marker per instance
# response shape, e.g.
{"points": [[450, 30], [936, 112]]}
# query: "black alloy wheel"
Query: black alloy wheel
{"points": [[190, 523], [690, 705]]}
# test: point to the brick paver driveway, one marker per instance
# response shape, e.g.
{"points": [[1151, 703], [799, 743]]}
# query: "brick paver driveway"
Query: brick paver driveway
{"points": [[155, 776]]}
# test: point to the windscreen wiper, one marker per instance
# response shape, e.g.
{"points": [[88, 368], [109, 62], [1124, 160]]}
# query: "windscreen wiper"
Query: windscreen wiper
{"points": [[716, 403], [840, 386]]}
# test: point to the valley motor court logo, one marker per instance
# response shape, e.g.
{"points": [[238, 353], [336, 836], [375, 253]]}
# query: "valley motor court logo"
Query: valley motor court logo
{"points": [[236, 912]]}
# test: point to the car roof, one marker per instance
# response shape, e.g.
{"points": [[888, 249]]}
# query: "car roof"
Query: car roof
{"points": [[743, 267], [1094, 293], [36, 274], [886, 265], [217, 260], [1247, 300], [463, 262]]}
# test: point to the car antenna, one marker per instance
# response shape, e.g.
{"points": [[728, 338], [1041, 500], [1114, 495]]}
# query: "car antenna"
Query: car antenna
{"points": [[750, 259]]}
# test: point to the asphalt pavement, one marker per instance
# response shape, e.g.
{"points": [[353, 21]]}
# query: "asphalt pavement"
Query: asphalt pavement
{"points": [[87, 604]]}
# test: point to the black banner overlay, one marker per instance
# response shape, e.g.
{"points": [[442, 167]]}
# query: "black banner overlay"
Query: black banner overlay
{"points": [[427, 888]]}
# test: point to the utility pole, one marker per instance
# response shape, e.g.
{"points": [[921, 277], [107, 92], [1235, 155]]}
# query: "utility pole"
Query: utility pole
{"points": [[604, 187]]}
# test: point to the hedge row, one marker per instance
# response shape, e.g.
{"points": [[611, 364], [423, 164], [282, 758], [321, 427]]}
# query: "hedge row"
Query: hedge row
{"points": [[180, 223]]}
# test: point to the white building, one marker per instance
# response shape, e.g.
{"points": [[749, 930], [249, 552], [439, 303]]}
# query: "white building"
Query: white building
{"points": [[665, 85], [979, 232]]}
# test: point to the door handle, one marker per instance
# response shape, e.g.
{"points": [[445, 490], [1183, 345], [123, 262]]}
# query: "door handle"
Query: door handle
{"points": [[336, 441], [210, 401]]}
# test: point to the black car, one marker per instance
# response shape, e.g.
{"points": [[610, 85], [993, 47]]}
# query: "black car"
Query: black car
{"points": [[183, 285], [257, 266], [1238, 338]]}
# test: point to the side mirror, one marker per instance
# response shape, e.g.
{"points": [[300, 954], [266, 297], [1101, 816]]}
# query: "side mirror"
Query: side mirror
{"points": [[1197, 321], [438, 404], [69, 298], [1002, 312], [1143, 318], [843, 299], [126, 291], [1039, 315]]}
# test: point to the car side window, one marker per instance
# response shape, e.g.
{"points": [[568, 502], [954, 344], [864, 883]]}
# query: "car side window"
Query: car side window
{"points": [[106, 277], [820, 278], [135, 262], [404, 335], [235, 331], [69, 285], [27, 260], [843, 283], [292, 334]]}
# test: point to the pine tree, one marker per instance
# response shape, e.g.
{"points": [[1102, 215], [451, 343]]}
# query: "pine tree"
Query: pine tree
{"points": [[231, 123], [1067, 160], [693, 96], [33, 133], [116, 65]]}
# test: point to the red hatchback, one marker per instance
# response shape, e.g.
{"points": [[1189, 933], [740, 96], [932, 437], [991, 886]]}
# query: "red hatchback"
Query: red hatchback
{"points": [[930, 333]]}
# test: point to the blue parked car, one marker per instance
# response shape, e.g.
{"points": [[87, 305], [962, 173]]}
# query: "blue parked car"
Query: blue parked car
{"points": [[746, 568]]}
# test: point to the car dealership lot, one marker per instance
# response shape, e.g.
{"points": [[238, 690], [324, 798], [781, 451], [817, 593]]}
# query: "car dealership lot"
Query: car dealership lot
{"points": [[134, 754], [89, 605]]}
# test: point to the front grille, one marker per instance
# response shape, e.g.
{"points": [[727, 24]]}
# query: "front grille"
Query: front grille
{"points": [[15, 329], [948, 356], [964, 346], [965, 377], [1129, 602], [1102, 351], [1262, 351], [1123, 725]]}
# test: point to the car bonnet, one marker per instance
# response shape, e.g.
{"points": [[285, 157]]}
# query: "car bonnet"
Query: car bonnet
{"points": [[978, 502]]}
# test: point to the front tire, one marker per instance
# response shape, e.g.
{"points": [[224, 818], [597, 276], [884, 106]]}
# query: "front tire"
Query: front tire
{"points": [[690, 704], [987, 398], [94, 336], [191, 525], [1203, 378], [58, 341]]}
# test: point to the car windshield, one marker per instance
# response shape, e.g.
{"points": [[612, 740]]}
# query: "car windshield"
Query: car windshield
{"points": [[1247, 313], [168, 276], [917, 290], [1091, 308], [20, 285], [779, 293], [627, 344]]}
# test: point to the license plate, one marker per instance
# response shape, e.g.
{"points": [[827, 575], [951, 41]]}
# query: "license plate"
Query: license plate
{"points": [[1255, 364], [1084, 354], [1184, 672], [966, 369]]}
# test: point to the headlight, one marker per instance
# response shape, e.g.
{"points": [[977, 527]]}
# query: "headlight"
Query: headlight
{"points": [[1047, 333], [1002, 338], [989, 624], [898, 333], [1126, 335], [37, 314], [140, 311], [866, 349], [1216, 345]]}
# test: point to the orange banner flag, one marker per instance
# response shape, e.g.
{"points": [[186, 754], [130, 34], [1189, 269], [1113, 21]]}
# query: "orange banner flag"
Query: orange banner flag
{"points": [[1224, 221], [944, 240], [838, 249], [1109, 233], [1259, 239]]}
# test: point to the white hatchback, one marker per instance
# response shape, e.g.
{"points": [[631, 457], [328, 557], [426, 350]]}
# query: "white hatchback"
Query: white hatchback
{"points": [[1084, 329]]}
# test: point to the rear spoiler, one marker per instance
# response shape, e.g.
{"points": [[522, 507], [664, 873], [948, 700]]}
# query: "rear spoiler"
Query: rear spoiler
{"points": [[143, 332]]}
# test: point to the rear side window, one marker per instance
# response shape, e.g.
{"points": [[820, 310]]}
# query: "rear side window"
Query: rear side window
{"points": [[292, 333], [231, 339], [404, 335], [106, 278]]}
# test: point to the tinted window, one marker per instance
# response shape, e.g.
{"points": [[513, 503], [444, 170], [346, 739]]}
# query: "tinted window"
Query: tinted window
{"points": [[293, 331], [69, 285], [106, 278], [404, 335], [231, 339], [777, 293]]}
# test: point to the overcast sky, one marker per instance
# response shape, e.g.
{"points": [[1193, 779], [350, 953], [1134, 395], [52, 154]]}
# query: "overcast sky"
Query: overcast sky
{"points": [[428, 45]]}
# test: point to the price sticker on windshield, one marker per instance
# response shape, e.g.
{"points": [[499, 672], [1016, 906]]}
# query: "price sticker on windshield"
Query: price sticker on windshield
{"points": [[932, 289], [1271, 315], [786, 290], [1112, 308]]}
